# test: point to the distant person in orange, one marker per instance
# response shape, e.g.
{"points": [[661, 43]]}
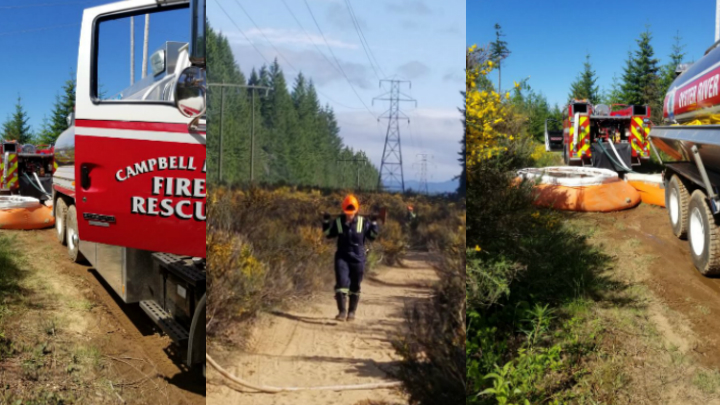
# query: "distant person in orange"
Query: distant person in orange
{"points": [[351, 231]]}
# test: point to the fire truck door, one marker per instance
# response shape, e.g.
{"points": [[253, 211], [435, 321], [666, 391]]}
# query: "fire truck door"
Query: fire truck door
{"points": [[140, 165]]}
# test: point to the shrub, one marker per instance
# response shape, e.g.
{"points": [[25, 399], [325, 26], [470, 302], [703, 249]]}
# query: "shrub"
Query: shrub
{"points": [[433, 350], [279, 230], [393, 243]]}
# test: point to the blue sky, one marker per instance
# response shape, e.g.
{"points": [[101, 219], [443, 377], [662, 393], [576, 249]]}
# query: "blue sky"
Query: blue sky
{"points": [[413, 39], [39, 47], [549, 39], [39, 40]]}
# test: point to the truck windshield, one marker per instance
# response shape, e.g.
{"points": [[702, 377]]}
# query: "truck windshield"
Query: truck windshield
{"points": [[139, 57]]}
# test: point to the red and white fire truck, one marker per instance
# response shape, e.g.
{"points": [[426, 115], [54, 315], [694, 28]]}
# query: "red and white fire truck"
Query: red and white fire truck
{"points": [[129, 191], [26, 169], [595, 135]]}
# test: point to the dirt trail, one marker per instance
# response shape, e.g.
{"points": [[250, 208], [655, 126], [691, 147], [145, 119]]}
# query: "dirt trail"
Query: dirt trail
{"points": [[135, 358], [671, 276], [306, 347]]}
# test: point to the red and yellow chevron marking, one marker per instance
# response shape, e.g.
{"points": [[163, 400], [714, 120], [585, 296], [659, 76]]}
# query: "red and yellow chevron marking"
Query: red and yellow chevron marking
{"points": [[11, 176], [639, 139], [583, 137]]}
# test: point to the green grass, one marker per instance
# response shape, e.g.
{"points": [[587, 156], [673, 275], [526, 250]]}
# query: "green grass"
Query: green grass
{"points": [[707, 381]]}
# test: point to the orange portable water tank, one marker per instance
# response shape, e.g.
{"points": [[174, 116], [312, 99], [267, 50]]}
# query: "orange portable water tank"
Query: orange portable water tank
{"points": [[650, 187], [24, 213], [580, 189]]}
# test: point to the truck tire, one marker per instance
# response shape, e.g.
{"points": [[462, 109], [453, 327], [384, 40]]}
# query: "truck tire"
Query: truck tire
{"points": [[60, 219], [197, 341], [566, 155], [677, 199], [71, 236], [703, 235]]}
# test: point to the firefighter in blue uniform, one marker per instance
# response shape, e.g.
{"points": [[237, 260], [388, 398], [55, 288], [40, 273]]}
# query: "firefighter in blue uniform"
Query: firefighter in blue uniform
{"points": [[351, 230]]}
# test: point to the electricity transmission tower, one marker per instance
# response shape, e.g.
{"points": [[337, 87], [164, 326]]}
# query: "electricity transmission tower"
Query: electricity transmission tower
{"points": [[423, 162], [359, 163], [391, 168]]}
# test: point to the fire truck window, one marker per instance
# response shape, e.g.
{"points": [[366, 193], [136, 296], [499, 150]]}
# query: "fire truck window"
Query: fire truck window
{"points": [[125, 72]]}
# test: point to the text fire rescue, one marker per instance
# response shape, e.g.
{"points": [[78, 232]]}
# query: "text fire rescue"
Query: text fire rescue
{"points": [[704, 90], [168, 187]]}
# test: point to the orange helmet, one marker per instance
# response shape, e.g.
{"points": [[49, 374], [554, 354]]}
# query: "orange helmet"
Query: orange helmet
{"points": [[350, 205], [410, 208]]}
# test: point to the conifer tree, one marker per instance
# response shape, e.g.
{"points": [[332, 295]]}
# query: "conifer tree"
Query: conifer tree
{"points": [[667, 73], [640, 75], [16, 127], [297, 140], [498, 52], [584, 87]]}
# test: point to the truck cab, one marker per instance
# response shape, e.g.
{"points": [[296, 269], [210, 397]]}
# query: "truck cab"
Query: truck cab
{"points": [[129, 189]]}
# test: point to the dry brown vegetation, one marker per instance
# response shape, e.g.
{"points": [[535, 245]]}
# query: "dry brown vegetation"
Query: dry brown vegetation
{"points": [[266, 247]]}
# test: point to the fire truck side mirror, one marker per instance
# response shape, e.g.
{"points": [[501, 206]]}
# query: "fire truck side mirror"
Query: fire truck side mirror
{"points": [[190, 92], [70, 119], [197, 40]]}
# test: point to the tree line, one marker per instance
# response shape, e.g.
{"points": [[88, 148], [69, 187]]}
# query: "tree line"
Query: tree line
{"points": [[296, 138], [16, 127], [644, 81]]}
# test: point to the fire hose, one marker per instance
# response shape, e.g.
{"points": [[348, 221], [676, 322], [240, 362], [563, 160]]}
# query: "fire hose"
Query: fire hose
{"points": [[619, 164], [274, 390], [40, 188]]}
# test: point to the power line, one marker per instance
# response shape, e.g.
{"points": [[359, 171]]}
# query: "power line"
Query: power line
{"points": [[363, 40], [319, 51], [355, 24], [336, 60], [310, 38], [241, 31], [280, 53], [39, 29]]}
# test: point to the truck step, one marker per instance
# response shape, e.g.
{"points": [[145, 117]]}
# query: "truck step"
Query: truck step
{"points": [[181, 266], [168, 325]]}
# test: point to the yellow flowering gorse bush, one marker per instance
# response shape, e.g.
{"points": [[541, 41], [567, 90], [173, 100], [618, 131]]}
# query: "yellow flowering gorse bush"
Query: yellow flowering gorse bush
{"points": [[484, 113]]}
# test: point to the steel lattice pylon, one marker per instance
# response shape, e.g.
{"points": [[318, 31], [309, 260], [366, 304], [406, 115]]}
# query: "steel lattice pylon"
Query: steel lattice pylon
{"points": [[391, 169]]}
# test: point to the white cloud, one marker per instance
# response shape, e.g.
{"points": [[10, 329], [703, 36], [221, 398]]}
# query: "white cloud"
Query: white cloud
{"points": [[339, 17], [437, 132], [414, 69], [310, 62], [280, 37], [409, 6]]}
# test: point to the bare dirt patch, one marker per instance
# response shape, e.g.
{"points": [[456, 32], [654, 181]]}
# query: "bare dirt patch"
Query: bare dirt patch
{"points": [[664, 347], [71, 341], [305, 347]]}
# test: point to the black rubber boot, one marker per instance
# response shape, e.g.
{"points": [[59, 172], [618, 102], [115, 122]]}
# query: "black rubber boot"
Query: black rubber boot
{"points": [[340, 298], [354, 299]]}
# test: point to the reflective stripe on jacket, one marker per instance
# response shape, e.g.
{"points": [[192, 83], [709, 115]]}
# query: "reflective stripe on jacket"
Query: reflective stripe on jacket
{"points": [[351, 237]]}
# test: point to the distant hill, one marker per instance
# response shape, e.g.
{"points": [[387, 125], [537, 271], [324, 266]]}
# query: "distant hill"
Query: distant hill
{"points": [[449, 186]]}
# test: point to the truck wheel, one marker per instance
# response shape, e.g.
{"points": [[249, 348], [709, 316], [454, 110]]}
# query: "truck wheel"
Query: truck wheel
{"points": [[704, 235], [60, 218], [676, 201], [71, 236], [566, 155]]}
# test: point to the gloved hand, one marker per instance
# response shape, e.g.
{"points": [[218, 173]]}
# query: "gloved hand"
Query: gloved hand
{"points": [[326, 216]]}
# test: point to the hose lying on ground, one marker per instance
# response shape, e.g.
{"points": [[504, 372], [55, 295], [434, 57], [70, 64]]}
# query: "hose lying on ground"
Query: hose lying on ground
{"points": [[274, 390]]}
